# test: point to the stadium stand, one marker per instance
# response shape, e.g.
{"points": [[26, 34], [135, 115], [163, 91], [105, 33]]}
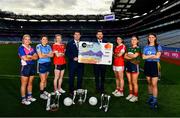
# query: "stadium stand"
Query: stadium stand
{"points": [[130, 19]]}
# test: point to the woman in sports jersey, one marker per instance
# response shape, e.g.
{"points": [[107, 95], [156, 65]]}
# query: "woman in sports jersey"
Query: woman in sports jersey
{"points": [[132, 56], [151, 55], [59, 62], [118, 67], [28, 56], [45, 53]]}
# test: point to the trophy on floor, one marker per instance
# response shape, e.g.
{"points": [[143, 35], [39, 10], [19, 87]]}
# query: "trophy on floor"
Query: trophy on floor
{"points": [[82, 94], [53, 101], [105, 99]]}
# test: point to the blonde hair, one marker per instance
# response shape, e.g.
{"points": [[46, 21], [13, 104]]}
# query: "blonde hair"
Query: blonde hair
{"points": [[26, 35], [56, 37]]}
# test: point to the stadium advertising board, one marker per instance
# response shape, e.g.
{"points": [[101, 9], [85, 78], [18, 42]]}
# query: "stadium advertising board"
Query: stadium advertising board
{"points": [[171, 54]]}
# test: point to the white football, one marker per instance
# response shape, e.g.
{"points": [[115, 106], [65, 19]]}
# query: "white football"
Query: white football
{"points": [[93, 101], [68, 101]]}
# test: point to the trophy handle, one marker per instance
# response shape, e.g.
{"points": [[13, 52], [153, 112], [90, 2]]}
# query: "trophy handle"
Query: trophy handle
{"points": [[107, 106], [102, 96], [85, 95], [48, 102], [58, 96], [74, 96]]}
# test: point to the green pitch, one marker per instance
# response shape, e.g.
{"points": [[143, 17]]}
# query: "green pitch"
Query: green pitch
{"points": [[169, 95]]}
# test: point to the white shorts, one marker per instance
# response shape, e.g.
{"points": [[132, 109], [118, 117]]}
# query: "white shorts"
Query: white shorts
{"points": [[118, 68]]}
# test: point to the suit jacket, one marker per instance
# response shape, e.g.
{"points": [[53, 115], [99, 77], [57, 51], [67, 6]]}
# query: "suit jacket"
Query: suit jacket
{"points": [[96, 40], [71, 51]]}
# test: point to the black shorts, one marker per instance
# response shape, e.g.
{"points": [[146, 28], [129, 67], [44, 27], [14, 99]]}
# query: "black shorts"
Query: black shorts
{"points": [[28, 70], [131, 68], [151, 68], [60, 67]]}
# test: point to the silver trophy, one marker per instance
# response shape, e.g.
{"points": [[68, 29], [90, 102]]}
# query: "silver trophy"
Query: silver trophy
{"points": [[105, 102], [53, 101], [82, 93]]}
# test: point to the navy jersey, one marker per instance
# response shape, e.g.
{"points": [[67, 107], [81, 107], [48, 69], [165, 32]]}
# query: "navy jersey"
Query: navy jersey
{"points": [[24, 51]]}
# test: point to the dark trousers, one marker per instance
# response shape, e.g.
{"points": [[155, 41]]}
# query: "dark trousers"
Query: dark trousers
{"points": [[99, 73], [75, 68]]}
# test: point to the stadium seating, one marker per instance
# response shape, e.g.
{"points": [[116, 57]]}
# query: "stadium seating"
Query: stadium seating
{"points": [[166, 39]]}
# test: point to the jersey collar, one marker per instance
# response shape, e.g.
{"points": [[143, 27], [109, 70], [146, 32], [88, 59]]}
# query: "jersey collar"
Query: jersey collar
{"points": [[43, 45], [29, 48]]}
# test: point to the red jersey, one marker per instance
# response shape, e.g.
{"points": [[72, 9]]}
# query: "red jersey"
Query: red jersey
{"points": [[60, 48], [119, 61]]}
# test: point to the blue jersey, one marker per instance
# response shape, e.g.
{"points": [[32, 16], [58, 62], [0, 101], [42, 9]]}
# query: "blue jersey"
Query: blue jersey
{"points": [[45, 50], [151, 50], [24, 51]]}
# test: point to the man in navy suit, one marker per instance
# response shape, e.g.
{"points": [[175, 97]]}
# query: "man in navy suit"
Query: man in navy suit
{"points": [[74, 66], [99, 70]]}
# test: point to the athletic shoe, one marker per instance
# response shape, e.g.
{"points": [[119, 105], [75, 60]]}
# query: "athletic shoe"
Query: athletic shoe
{"points": [[25, 102], [154, 105], [53, 93], [129, 97], [43, 96], [114, 91], [133, 99], [62, 91], [150, 99], [31, 99], [45, 93], [118, 94], [57, 92]]}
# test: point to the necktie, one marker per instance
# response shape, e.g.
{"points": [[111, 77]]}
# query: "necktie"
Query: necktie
{"points": [[77, 44]]}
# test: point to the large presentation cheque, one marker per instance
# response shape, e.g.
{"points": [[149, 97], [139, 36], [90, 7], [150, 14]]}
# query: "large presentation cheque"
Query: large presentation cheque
{"points": [[95, 53]]}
